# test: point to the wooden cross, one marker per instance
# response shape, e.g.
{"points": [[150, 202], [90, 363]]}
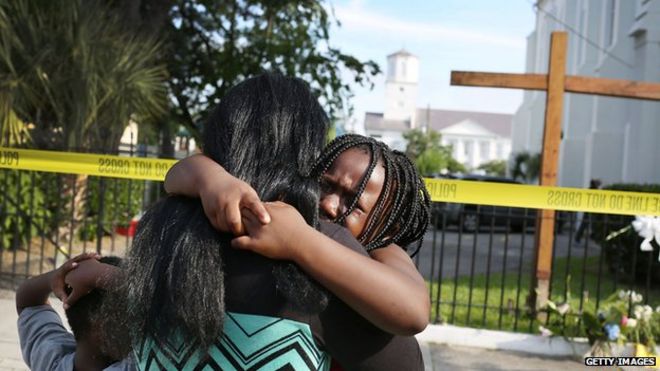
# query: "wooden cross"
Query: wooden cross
{"points": [[555, 83]]}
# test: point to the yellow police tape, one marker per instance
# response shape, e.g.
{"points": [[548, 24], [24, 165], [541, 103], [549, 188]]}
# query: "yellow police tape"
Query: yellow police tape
{"points": [[84, 163], [541, 197], [441, 190]]}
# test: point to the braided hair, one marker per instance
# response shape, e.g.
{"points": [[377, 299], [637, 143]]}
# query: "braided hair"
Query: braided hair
{"points": [[402, 212]]}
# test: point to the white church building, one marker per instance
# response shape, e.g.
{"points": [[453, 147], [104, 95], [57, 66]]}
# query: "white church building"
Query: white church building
{"points": [[613, 139], [476, 137]]}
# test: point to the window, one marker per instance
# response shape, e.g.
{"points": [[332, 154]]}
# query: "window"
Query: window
{"points": [[584, 29], [500, 151], [484, 150], [467, 146], [610, 22], [453, 143]]}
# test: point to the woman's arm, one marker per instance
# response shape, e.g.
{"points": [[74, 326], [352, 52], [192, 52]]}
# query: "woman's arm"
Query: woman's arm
{"points": [[222, 194], [386, 290]]}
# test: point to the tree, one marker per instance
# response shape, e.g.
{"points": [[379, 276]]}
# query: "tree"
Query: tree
{"points": [[494, 167], [431, 161], [70, 69], [430, 157], [526, 166], [212, 45], [72, 73], [454, 166]]}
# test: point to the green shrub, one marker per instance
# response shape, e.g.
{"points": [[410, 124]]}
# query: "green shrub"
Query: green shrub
{"points": [[622, 250], [120, 199], [24, 211]]}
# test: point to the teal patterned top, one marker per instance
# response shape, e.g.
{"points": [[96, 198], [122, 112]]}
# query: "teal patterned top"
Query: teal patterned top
{"points": [[248, 342]]}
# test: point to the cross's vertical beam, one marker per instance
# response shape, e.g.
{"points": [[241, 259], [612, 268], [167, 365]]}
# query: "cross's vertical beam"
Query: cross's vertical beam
{"points": [[549, 163]]}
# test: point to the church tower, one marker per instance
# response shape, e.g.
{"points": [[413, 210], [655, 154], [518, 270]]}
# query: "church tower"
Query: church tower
{"points": [[401, 87]]}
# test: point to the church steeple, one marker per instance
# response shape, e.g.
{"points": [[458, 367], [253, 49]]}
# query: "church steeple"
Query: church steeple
{"points": [[401, 86]]}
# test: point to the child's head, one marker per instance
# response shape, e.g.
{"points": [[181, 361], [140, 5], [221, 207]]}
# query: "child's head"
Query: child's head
{"points": [[81, 315], [374, 191]]}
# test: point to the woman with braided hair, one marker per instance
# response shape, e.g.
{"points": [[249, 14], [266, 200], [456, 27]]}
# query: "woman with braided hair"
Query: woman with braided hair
{"points": [[373, 191], [401, 213]]}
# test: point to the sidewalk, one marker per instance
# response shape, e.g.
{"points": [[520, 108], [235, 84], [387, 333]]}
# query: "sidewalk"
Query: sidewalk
{"points": [[437, 357], [446, 357], [10, 352]]}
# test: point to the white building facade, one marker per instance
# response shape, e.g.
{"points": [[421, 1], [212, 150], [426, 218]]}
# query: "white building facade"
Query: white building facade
{"points": [[613, 139], [473, 144], [476, 137]]}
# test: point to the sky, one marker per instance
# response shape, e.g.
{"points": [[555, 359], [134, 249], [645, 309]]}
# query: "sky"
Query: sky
{"points": [[446, 35]]}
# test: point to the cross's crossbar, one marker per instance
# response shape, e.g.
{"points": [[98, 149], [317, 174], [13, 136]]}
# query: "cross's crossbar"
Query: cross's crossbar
{"points": [[572, 84]]}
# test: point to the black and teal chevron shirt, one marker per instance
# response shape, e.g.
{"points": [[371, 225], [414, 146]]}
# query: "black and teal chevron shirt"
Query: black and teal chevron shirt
{"points": [[262, 332], [249, 342]]}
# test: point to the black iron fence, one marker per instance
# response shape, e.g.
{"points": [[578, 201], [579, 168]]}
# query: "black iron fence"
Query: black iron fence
{"points": [[480, 265], [46, 218], [479, 261]]}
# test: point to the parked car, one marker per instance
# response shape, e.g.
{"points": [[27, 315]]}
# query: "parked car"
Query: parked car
{"points": [[470, 217]]}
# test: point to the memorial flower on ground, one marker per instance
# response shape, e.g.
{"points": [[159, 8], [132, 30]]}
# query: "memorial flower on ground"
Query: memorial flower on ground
{"points": [[621, 318]]}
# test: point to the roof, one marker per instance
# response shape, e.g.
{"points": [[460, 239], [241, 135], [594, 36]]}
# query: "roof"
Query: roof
{"points": [[498, 123], [403, 53], [375, 121]]}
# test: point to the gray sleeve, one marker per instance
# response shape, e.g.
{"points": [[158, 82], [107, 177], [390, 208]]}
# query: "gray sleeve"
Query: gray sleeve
{"points": [[128, 364], [45, 343]]}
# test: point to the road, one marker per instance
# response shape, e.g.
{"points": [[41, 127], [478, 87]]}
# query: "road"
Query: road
{"points": [[469, 252]]}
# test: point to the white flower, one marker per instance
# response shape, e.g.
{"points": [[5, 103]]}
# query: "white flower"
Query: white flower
{"points": [[657, 309], [648, 228], [633, 296], [563, 308], [631, 322], [545, 331], [622, 294], [643, 312]]}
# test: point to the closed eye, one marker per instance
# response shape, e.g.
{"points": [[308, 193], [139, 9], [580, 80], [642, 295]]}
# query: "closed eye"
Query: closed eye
{"points": [[325, 186]]}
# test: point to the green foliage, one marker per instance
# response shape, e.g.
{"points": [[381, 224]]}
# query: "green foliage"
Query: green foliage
{"points": [[454, 167], [419, 141], [620, 242], [73, 70], [430, 157], [612, 322], [119, 199], [526, 166], [431, 161], [502, 293], [213, 45], [495, 167], [24, 211]]}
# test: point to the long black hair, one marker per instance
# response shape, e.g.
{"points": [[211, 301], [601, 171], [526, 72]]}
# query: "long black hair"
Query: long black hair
{"points": [[402, 211], [266, 131]]}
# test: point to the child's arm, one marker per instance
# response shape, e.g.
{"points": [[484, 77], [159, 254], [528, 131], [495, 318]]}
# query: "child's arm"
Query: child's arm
{"points": [[36, 290], [388, 291], [222, 194], [89, 275]]}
